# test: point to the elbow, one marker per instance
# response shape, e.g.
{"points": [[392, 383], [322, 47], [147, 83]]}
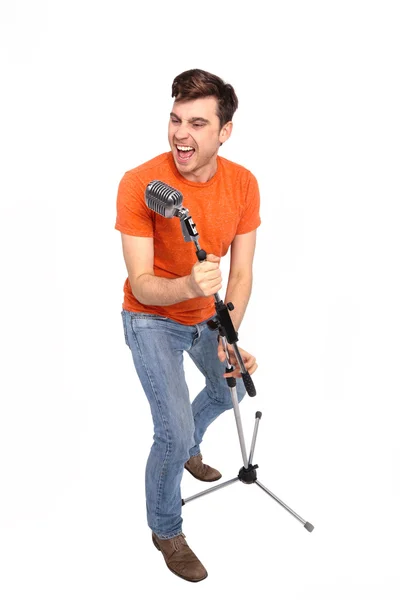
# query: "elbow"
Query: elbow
{"points": [[137, 288], [242, 277]]}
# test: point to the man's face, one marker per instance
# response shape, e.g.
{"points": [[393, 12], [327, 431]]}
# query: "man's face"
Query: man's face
{"points": [[195, 135]]}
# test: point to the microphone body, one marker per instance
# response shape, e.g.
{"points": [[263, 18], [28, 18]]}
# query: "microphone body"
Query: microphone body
{"points": [[163, 199]]}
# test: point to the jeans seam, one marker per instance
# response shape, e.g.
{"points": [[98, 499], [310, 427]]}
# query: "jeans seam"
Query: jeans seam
{"points": [[138, 315], [168, 450], [125, 329], [212, 400]]}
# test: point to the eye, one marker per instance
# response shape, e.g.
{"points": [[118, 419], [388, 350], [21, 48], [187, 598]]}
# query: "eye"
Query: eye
{"points": [[174, 120], [198, 125]]}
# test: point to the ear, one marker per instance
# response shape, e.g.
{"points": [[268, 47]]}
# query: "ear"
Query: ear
{"points": [[225, 132]]}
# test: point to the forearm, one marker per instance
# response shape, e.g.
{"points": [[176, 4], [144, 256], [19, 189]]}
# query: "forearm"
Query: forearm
{"points": [[160, 291], [238, 292]]}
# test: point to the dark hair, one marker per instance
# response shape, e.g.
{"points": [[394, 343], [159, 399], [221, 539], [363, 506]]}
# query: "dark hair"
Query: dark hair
{"points": [[196, 83]]}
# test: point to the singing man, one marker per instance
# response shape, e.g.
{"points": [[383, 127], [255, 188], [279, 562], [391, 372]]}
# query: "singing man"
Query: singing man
{"points": [[169, 295]]}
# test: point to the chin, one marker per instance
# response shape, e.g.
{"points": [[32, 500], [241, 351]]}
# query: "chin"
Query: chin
{"points": [[183, 168]]}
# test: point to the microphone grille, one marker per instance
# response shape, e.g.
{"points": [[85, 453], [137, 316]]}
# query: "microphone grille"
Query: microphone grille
{"points": [[163, 198]]}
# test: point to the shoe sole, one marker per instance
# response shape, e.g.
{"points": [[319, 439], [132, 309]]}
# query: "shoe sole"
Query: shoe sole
{"points": [[199, 478], [174, 572]]}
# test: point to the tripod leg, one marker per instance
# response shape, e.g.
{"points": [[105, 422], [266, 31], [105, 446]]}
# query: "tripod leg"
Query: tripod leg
{"points": [[306, 524], [253, 441], [212, 489], [231, 381], [239, 426]]}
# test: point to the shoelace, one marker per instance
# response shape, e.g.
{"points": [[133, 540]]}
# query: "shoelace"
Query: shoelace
{"points": [[179, 541]]}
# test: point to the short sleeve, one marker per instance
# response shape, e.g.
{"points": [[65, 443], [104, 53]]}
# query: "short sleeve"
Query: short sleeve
{"points": [[133, 216], [250, 218]]}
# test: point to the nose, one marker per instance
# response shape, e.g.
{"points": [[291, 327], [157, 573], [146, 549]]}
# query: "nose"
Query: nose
{"points": [[181, 132]]}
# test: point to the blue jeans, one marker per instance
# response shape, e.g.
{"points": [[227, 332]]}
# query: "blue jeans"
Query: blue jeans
{"points": [[157, 344]]}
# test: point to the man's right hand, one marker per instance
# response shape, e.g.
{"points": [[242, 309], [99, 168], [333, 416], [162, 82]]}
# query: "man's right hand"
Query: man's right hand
{"points": [[205, 278]]}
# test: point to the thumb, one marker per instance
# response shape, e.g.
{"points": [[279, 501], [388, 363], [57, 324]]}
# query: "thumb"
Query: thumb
{"points": [[221, 351], [213, 258]]}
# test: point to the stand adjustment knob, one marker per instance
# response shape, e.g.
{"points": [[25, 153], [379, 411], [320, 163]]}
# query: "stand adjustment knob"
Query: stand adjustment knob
{"points": [[230, 306], [212, 324]]}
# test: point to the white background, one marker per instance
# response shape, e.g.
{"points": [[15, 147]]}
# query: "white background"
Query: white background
{"points": [[86, 93]]}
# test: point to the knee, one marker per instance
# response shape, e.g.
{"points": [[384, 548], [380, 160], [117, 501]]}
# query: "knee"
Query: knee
{"points": [[177, 442], [181, 442], [226, 396]]}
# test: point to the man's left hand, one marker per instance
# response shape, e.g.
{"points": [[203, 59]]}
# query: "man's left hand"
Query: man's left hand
{"points": [[249, 360]]}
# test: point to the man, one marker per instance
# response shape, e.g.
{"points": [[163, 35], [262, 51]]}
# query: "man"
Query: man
{"points": [[169, 294]]}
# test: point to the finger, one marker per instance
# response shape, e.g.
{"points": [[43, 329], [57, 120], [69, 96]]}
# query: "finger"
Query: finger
{"points": [[213, 274], [253, 368], [210, 289], [213, 258], [250, 365], [212, 269], [249, 362], [236, 373], [221, 351]]}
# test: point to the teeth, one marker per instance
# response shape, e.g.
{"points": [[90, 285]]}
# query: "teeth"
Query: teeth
{"points": [[185, 148]]}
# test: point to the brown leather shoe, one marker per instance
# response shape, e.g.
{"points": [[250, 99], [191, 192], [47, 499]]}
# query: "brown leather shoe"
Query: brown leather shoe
{"points": [[179, 558], [198, 469]]}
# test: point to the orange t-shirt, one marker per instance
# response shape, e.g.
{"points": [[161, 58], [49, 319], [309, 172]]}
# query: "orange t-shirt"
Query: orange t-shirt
{"points": [[226, 205]]}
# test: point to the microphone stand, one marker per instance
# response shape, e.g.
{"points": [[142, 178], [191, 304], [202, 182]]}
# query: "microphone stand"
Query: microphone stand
{"points": [[228, 335]]}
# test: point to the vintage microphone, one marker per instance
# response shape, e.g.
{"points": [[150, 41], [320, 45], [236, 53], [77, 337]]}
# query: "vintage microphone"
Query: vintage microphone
{"points": [[167, 202]]}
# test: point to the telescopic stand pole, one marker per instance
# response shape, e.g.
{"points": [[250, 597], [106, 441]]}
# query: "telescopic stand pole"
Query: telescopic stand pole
{"points": [[228, 335]]}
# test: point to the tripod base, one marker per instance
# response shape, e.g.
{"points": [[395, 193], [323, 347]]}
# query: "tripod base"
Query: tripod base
{"points": [[214, 488], [248, 475]]}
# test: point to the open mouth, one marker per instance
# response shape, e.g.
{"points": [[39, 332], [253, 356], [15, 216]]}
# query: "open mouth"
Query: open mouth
{"points": [[184, 153]]}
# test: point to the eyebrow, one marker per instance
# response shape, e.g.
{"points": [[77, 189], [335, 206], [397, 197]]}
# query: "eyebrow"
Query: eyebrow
{"points": [[192, 120]]}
